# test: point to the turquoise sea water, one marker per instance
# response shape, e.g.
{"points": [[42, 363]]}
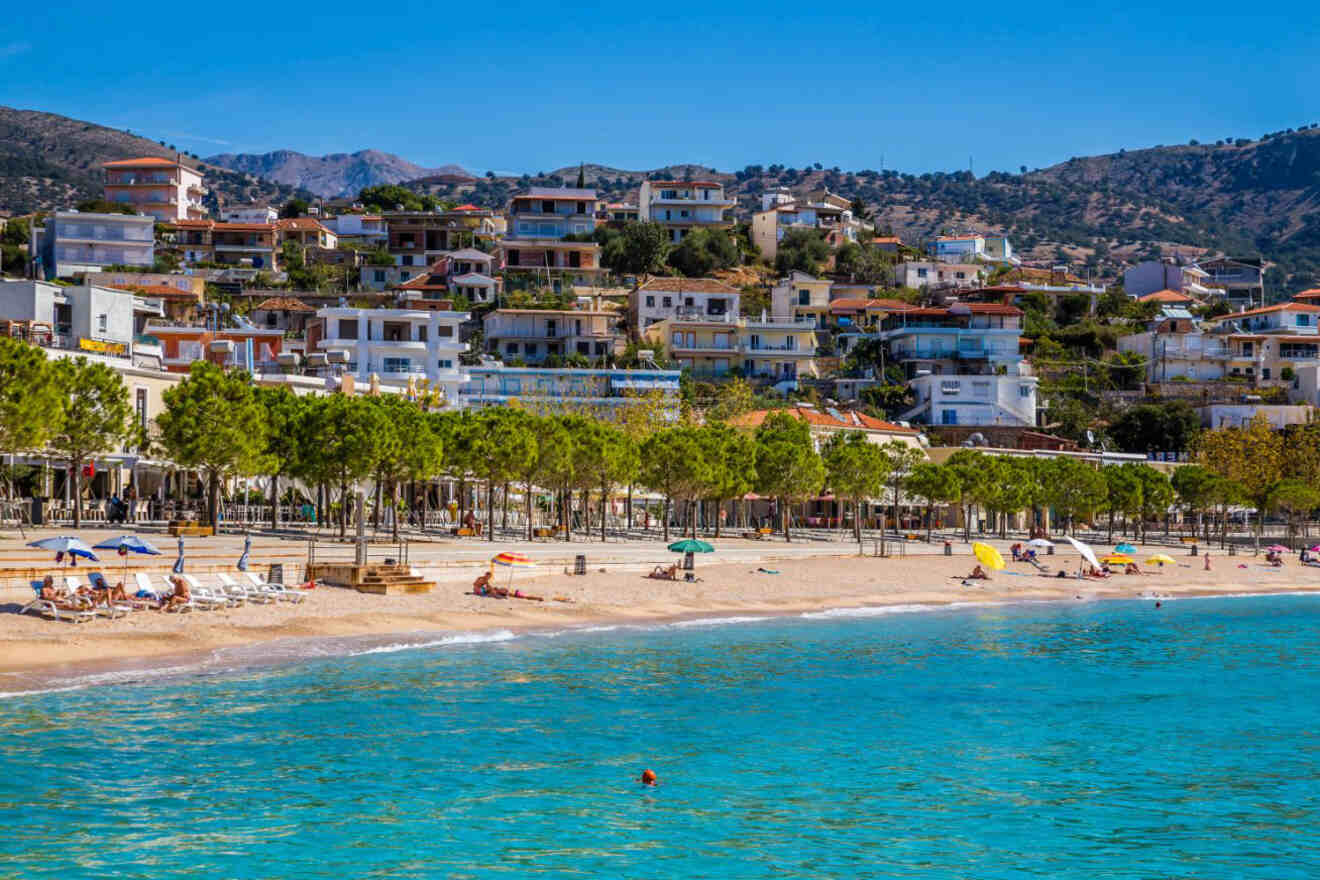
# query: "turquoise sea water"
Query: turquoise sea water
{"points": [[1092, 740]]}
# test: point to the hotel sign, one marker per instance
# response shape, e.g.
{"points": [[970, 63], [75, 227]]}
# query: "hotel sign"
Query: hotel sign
{"points": [[101, 347]]}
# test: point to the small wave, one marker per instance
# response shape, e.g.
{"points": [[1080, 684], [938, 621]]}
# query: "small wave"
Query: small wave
{"points": [[884, 610], [502, 635], [718, 621]]}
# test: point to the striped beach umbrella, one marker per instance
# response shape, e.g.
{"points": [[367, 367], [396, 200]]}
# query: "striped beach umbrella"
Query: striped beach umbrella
{"points": [[511, 561]]}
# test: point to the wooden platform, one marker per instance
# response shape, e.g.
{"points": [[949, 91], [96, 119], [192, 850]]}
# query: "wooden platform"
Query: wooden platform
{"points": [[189, 528], [378, 579]]}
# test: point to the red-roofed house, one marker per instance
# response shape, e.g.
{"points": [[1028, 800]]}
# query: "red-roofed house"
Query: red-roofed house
{"points": [[829, 421], [1169, 298], [163, 188]]}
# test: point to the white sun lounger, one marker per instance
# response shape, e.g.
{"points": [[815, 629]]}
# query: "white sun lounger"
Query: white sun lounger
{"points": [[52, 610], [253, 594], [209, 598], [111, 610], [278, 590]]}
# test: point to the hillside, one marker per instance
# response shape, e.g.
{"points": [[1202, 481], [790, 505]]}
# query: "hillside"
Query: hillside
{"points": [[49, 161], [338, 174]]}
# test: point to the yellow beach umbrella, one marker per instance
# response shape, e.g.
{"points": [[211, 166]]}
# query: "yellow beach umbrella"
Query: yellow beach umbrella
{"points": [[988, 556], [1161, 559], [1116, 559]]}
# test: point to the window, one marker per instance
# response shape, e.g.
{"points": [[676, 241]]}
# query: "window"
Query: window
{"points": [[406, 260], [404, 276], [1024, 391], [380, 276], [921, 273], [511, 348], [1265, 372], [1303, 320], [348, 328], [584, 348], [530, 348], [547, 207], [688, 301], [600, 349], [650, 302], [421, 333], [396, 365], [511, 257], [445, 364], [804, 297], [949, 417], [669, 302], [574, 260], [582, 207], [444, 331], [140, 405], [102, 323]]}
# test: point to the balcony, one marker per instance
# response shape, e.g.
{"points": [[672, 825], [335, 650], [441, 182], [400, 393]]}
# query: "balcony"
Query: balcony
{"points": [[258, 248], [685, 200], [784, 323], [704, 347], [776, 350]]}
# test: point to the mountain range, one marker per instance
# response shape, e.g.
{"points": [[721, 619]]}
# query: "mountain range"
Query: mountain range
{"points": [[1244, 197], [338, 174]]}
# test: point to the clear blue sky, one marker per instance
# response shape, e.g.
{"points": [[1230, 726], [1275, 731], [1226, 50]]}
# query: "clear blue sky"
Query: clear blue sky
{"points": [[516, 87]]}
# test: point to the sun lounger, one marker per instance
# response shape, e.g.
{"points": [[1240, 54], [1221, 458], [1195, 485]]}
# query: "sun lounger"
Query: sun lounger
{"points": [[110, 609], [98, 581], [252, 594], [209, 598], [280, 591], [54, 610]]}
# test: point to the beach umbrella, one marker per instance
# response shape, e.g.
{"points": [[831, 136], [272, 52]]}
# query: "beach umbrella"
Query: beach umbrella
{"points": [[1125, 548], [126, 544], [1160, 559], [691, 545], [66, 544], [247, 546], [988, 556], [1040, 542], [1117, 559], [178, 563], [512, 561], [1081, 548]]}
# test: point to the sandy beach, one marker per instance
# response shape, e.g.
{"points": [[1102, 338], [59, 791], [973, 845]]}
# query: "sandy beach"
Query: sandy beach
{"points": [[756, 584]]}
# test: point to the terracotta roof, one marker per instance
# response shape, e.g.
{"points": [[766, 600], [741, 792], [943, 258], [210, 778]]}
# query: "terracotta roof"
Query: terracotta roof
{"points": [[1289, 306], [143, 161], [301, 224], [972, 308], [467, 207], [686, 285], [1313, 293], [1166, 296], [424, 282], [284, 304], [844, 304], [852, 419], [886, 239]]}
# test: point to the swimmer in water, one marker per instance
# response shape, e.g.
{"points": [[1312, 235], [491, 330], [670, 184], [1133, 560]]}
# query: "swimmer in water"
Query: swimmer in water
{"points": [[649, 778]]}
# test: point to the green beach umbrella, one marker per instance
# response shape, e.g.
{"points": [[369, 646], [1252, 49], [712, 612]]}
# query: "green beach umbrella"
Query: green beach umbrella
{"points": [[691, 545]]}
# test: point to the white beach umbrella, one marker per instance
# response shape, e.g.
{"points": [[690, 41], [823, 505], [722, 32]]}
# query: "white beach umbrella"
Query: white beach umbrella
{"points": [[1040, 542], [1081, 548]]}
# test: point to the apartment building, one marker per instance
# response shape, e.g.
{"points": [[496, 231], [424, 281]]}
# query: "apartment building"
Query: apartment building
{"points": [[1153, 276], [250, 214], [73, 242], [419, 238], [534, 335], [563, 391], [779, 350], [963, 364], [831, 216], [242, 245], [79, 319], [1241, 280], [938, 274], [364, 229], [163, 189], [398, 348], [681, 206], [802, 296], [656, 299], [307, 232], [973, 247], [250, 348]]}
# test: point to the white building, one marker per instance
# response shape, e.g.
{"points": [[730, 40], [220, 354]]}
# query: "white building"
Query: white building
{"points": [[656, 299], [567, 390], [935, 274], [83, 319], [973, 247], [370, 229], [74, 242], [400, 347], [1153, 276], [683, 205], [250, 214]]}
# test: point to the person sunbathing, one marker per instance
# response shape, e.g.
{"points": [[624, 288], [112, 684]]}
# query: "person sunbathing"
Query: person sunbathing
{"points": [[1273, 558], [179, 597], [481, 586], [978, 574], [1017, 552], [48, 590], [665, 574], [1131, 568], [519, 594], [1102, 572]]}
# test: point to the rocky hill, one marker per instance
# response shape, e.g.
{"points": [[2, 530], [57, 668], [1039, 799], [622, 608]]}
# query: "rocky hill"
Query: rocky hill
{"points": [[49, 161], [338, 174]]}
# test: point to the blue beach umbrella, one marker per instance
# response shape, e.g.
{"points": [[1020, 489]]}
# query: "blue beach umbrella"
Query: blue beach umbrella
{"points": [[178, 563], [126, 544], [1125, 548], [247, 546], [66, 544]]}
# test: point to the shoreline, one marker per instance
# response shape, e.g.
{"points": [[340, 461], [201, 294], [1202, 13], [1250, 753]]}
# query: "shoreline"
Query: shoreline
{"points": [[75, 657]]}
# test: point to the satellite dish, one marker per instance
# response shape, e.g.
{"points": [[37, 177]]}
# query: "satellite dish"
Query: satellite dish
{"points": [[1090, 438]]}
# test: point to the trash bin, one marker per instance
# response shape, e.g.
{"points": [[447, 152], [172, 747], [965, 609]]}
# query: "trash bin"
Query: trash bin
{"points": [[1194, 550], [580, 564], [39, 511]]}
